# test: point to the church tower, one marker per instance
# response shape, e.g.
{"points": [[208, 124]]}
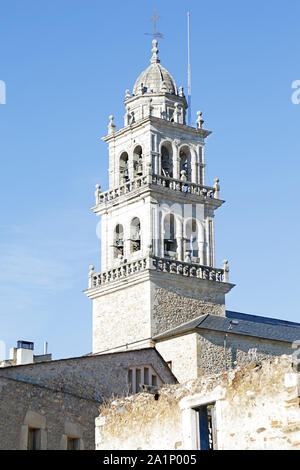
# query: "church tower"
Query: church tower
{"points": [[157, 231]]}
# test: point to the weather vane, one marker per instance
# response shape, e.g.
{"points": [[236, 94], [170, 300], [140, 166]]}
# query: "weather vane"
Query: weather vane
{"points": [[154, 19]]}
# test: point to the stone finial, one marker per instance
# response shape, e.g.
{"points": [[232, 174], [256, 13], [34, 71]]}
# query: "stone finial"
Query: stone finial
{"points": [[187, 257], [127, 94], [154, 59], [91, 273], [200, 120], [111, 125], [97, 193], [177, 112], [181, 91], [226, 270], [216, 188]]}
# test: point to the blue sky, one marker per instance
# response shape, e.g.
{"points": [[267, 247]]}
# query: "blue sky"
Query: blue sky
{"points": [[66, 65]]}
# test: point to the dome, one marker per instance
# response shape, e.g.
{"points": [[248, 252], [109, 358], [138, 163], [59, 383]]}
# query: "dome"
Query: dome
{"points": [[155, 78]]}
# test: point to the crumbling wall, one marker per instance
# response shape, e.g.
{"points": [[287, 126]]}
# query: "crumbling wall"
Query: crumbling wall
{"points": [[257, 404]]}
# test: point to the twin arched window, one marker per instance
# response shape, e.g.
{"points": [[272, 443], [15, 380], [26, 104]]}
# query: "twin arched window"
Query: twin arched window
{"points": [[137, 164], [119, 239]]}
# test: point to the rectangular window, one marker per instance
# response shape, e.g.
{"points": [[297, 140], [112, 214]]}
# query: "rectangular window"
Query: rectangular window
{"points": [[138, 380], [154, 380], [130, 380], [146, 375], [207, 438], [33, 442], [73, 443]]}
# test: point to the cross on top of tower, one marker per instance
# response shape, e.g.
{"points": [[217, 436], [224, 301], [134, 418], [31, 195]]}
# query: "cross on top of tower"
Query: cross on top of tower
{"points": [[154, 20]]}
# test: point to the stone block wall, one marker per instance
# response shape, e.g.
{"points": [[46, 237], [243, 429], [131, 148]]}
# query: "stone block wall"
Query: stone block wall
{"points": [[57, 413], [176, 301], [211, 353], [121, 317], [94, 377]]}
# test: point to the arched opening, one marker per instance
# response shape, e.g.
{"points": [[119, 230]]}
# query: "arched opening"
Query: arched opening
{"points": [[192, 239], [166, 161], [124, 173], [118, 241], [170, 242], [137, 161], [185, 163], [135, 235]]}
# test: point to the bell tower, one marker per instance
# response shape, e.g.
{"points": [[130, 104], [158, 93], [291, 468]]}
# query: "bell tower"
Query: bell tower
{"points": [[157, 232]]}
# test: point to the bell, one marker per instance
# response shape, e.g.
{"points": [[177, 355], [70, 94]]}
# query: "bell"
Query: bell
{"points": [[139, 170]]}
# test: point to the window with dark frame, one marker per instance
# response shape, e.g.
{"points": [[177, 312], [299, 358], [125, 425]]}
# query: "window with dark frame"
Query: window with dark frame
{"points": [[73, 443], [207, 427], [33, 442]]}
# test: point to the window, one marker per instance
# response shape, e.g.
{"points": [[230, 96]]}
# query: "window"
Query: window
{"points": [[166, 161], [206, 427], [185, 163], [135, 235], [34, 439], [170, 242], [73, 443], [124, 173], [137, 161], [118, 241], [142, 377]]}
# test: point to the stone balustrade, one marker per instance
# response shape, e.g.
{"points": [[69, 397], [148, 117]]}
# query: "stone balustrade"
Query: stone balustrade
{"points": [[159, 264], [159, 180]]}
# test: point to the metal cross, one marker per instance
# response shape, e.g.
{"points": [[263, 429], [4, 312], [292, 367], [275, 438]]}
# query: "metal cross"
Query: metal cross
{"points": [[154, 19]]}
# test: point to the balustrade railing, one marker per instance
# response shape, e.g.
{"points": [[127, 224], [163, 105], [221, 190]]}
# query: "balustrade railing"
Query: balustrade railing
{"points": [[159, 264], [159, 180]]}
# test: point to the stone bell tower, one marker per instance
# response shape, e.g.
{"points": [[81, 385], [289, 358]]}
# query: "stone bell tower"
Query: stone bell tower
{"points": [[157, 231]]}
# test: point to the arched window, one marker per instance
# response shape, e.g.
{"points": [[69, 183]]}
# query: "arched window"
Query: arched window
{"points": [[170, 242], [137, 161], [166, 160], [185, 163], [135, 235], [124, 174], [192, 239], [118, 241]]}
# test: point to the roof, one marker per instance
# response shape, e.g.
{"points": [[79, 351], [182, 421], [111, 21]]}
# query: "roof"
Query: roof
{"points": [[248, 325], [155, 79]]}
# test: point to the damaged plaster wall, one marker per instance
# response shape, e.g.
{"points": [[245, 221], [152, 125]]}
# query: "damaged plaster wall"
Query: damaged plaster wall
{"points": [[257, 408]]}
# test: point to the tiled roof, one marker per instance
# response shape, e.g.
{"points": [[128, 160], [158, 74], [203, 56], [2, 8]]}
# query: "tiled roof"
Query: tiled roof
{"points": [[248, 325]]}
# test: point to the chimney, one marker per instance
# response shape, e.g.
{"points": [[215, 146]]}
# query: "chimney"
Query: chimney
{"points": [[24, 352]]}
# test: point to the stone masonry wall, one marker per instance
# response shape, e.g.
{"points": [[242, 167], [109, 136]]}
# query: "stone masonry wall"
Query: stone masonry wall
{"points": [[211, 355], [181, 351], [95, 377], [174, 304], [257, 407], [121, 317], [59, 410]]}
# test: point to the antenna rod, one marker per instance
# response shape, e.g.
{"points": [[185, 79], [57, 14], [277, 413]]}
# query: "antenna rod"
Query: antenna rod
{"points": [[189, 72]]}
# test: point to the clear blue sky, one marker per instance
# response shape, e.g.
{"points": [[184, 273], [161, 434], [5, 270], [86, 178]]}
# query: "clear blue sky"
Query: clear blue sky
{"points": [[66, 65]]}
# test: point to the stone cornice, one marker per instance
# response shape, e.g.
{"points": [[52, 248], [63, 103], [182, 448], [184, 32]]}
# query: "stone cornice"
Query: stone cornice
{"points": [[159, 123]]}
